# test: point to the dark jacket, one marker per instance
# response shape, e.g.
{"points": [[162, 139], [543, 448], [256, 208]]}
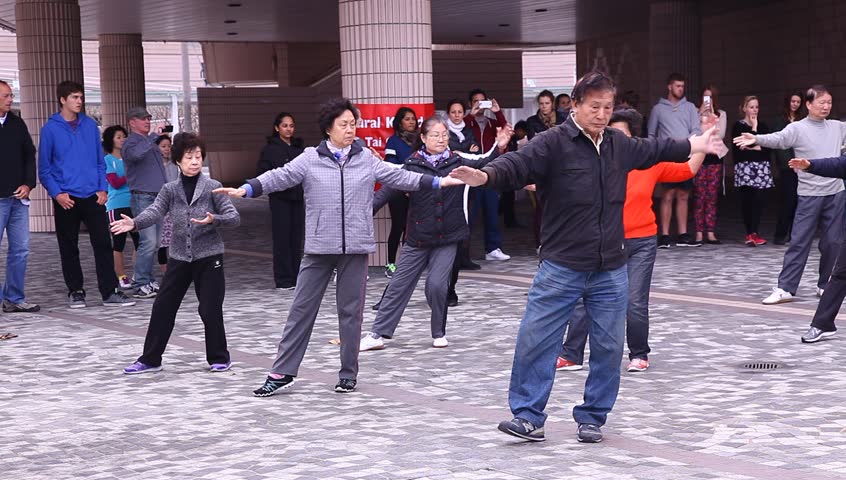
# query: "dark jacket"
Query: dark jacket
{"points": [[435, 217], [396, 150], [142, 159], [534, 124], [829, 167], [456, 145], [276, 154], [18, 161], [749, 155], [582, 192]]}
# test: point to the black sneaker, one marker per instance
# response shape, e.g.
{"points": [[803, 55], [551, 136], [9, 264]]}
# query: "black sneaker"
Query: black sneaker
{"points": [[376, 305], [589, 433], [523, 429], [118, 299], [814, 334], [470, 265], [77, 299], [345, 385], [272, 385], [664, 241], [685, 240], [452, 299]]}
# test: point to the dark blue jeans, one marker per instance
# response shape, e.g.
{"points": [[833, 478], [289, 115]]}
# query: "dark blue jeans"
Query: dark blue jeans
{"points": [[641, 254], [14, 222], [553, 296], [487, 200]]}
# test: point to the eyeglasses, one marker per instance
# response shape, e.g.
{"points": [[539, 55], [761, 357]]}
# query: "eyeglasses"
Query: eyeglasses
{"points": [[444, 136]]}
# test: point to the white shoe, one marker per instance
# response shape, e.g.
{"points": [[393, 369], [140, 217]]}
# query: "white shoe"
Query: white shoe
{"points": [[497, 255], [820, 292], [440, 342], [371, 341], [778, 296]]}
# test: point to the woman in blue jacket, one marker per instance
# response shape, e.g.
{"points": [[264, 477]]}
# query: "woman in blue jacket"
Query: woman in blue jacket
{"points": [[397, 150]]}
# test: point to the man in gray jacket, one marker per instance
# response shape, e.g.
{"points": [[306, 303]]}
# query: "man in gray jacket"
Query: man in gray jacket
{"points": [[676, 118]]}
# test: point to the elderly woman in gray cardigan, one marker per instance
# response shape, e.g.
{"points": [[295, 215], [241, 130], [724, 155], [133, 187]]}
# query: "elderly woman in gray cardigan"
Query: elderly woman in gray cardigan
{"points": [[196, 254], [338, 179]]}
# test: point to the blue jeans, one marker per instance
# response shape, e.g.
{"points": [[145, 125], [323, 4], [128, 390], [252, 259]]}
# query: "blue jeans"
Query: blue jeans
{"points": [[14, 221], [641, 253], [487, 200], [145, 256], [552, 298]]}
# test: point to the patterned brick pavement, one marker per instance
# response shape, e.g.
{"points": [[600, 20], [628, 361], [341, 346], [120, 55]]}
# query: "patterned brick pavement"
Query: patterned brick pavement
{"points": [[67, 411]]}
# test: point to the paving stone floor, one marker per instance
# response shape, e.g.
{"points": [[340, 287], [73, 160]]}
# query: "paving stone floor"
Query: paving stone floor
{"points": [[67, 411]]}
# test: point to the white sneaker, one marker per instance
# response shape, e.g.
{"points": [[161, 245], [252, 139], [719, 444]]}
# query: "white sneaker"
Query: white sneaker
{"points": [[440, 342], [820, 292], [778, 296], [371, 341], [497, 255]]}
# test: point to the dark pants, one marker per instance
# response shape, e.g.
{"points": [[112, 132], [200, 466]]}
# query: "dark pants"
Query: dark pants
{"points": [[487, 200], [789, 198], [210, 287], [288, 230], [456, 266], [85, 210], [833, 295], [641, 261], [752, 204], [506, 206], [398, 207]]}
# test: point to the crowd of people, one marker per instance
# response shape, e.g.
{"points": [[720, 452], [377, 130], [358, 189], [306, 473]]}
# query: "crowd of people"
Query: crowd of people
{"points": [[589, 173]]}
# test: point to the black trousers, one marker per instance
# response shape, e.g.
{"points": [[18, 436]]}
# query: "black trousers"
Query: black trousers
{"points": [[85, 210], [210, 287], [833, 295], [752, 204], [398, 207], [789, 199], [288, 230], [506, 207]]}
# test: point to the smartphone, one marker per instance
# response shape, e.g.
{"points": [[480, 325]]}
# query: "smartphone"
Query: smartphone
{"points": [[167, 129], [706, 99], [485, 104]]}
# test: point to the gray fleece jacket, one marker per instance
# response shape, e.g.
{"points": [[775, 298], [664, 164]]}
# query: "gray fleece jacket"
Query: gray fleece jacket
{"points": [[810, 139], [338, 195], [673, 120], [191, 241]]}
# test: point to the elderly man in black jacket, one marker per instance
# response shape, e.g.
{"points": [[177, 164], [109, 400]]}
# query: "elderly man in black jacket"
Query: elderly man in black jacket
{"points": [[580, 169]]}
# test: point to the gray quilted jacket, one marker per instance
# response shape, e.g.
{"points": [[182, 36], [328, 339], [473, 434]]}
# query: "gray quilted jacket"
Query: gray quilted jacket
{"points": [[338, 195]]}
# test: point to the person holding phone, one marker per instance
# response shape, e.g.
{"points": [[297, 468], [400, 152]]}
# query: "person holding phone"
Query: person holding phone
{"points": [[706, 183]]}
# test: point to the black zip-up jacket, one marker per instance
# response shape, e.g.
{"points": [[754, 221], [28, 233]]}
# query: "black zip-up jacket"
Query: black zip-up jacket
{"points": [[457, 145], [435, 217], [582, 191], [534, 124], [18, 159], [275, 155]]}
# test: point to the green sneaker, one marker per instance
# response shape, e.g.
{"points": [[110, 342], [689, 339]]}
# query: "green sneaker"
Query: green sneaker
{"points": [[390, 269]]}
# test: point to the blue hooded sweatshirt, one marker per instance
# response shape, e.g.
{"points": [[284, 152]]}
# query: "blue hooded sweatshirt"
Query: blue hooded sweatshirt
{"points": [[71, 161]]}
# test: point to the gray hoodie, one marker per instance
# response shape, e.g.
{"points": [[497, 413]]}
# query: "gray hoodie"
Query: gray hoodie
{"points": [[673, 120], [810, 139]]}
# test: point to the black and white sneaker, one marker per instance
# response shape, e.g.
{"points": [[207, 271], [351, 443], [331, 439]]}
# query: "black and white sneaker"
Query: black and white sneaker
{"points": [[814, 334], [664, 241], [523, 429], [345, 385], [76, 299], [589, 433], [118, 299], [273, 385], [685, 240]]}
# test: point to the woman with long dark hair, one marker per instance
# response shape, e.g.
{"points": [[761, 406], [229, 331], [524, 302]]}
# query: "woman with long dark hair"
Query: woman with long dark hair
{"points": [[286, 207], [397, 149], [752, 173], [706, 183], [791, 112]]}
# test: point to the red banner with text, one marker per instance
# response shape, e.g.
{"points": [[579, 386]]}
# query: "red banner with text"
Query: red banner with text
{"points": [[376, 124]]}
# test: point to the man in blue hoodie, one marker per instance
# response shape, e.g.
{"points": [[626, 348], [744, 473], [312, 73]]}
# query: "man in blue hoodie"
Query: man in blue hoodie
{"points": [[674, 118], [72, 168]]}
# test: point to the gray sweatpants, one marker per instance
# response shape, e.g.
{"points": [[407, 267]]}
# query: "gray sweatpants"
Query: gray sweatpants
{"points": [[412, 262], [315, 274], [812, 212]]}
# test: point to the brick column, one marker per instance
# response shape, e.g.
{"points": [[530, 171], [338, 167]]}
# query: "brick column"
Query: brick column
{"points": [[49, 51], [386, 57], [675, 45], [121, 75]]}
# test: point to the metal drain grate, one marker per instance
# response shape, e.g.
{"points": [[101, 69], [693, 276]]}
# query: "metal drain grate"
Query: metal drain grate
{"points": [[760, 366]]}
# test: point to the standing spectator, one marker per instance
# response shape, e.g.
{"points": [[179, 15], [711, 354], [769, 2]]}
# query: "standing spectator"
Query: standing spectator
{"points": [[196, 256], [582, 253], [821, 200], [791, 112], [397, 149], [484, 121], [72, 168], [18, 179], [172, 173], [118, 202], [146, 175], [562, 104], [546, 117], [752, 175], [706, 183], [287, 211], [674, 117]]}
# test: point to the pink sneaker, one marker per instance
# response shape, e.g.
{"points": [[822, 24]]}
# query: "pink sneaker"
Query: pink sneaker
{"points": [[567, 365], [638, 365]]}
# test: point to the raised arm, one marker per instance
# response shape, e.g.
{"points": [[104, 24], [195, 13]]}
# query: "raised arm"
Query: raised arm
{"points": [[824, 167], [225, 214], [510, 171], [278, 179], [155, 212]]}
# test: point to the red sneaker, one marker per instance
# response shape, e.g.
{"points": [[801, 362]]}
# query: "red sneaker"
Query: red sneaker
{"points": [[758, 240], [638, 365], [566, 365], [750, 241]]}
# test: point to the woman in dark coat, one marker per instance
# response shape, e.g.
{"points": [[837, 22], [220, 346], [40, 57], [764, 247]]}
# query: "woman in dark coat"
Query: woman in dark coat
{"points": [[286, 207]]}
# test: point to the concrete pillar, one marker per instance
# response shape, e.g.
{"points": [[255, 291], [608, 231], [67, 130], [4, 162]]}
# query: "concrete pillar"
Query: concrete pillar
{"points": [[49, 51], [121, 75], [675, 45], [386, 57]]}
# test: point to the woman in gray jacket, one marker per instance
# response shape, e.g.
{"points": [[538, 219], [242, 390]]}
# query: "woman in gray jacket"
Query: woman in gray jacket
{"points": [[338, 179]]}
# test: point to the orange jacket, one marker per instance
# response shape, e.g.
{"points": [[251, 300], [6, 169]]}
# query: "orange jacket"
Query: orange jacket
{"points": [[638, 217]]}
